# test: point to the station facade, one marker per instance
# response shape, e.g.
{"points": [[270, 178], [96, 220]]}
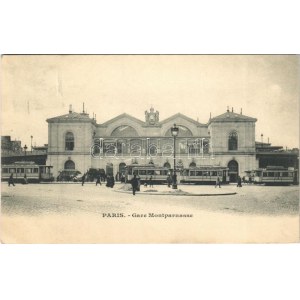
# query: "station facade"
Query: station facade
{"points": [[77, 142]]}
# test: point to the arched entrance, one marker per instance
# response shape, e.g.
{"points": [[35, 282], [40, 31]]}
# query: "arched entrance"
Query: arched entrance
{"points": [[122, 168], [167, 165], [233, 171], [69, 165]]}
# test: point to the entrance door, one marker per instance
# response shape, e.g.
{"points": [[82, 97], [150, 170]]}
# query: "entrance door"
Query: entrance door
{"points": [[224, 179], [233, 171], [122, 167]]}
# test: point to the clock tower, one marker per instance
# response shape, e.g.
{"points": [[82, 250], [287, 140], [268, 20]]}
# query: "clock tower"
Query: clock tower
{"points": [[151, 118]]}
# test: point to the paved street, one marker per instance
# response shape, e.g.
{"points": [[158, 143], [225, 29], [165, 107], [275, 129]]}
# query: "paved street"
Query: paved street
{"points": [[70, 213]]}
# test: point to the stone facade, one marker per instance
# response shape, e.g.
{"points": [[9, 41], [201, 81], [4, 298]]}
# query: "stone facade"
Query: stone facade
{"points": [[77, 141]]}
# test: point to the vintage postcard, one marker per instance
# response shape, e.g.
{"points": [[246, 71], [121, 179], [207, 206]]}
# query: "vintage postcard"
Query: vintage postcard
{"points": [[149, 149]]}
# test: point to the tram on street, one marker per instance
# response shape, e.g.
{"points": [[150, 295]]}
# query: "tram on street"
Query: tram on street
{"points": [[26, 171], [205, 175], [276, 175], [145, 172]]}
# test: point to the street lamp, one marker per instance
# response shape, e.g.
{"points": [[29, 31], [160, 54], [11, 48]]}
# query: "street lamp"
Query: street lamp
{"points": [[25, 149], [174, 131], [31, 142]]}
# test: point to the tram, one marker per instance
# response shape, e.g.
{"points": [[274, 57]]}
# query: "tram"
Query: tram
{"points": [[34, 172], [249, 177], [144, 172], [204, 175], [276, 175]]}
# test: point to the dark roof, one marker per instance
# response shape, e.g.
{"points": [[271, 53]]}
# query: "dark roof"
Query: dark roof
{"points": [[232, 117]]}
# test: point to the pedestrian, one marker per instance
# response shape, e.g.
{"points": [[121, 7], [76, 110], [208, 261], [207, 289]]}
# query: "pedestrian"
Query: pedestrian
{"points": [[98, 181], [239, 181], [146, 182], [134, 184], [83, 179], [218, 182], [108, 181], [11, 180], [169, 180], [122, 178], [112, 181], [139, 183], [25, 181], [150, 182]]}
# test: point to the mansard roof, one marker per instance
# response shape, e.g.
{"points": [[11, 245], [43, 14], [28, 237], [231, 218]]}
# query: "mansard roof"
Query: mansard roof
{"points": [[71, 117], [230, 116]]}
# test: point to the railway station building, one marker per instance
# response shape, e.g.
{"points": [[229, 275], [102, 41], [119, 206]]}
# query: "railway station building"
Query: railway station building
{"points": [[77, 141]]}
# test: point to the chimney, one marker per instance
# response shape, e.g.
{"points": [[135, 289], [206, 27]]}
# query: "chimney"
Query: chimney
{"points": [[227, 108], [231, 109], [241, 111], [70, 108], [83, 107]]}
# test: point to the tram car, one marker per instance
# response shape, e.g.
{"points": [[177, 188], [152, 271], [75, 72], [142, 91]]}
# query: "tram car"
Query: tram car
{"points": [[144, 172], [249, 177], [34, 173], [276, 175], [205, 175]]}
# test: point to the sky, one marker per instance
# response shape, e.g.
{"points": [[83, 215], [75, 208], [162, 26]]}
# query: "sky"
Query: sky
{"points": [[37, 87]]}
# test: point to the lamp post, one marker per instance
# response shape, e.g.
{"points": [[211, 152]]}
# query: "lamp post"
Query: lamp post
{"points": [[31, 142], [174, 131], [25, 149]]}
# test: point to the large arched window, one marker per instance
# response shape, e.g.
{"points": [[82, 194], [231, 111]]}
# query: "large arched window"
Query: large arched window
{"points": [[182, 132], [233, 141], [124, 131], [69, 141], [69, 165]]}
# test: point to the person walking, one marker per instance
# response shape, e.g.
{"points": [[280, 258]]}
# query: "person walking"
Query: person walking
{"points": [[83, 180], [25, 181], [108, 181], [239, 183], [98, 181], [150, 182], [11, 180], [218, 182], [134, 184], [169, 180], [112, 181], [146, 182]]}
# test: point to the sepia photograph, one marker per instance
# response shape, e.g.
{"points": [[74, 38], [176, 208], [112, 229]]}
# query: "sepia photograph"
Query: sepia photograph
{"points": [[150, 149]]}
